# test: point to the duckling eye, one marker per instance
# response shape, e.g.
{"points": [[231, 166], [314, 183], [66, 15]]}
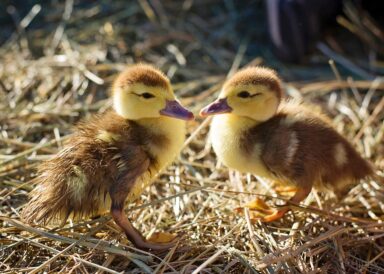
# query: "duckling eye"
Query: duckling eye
{"points": [[244, 94], [147, 95]]}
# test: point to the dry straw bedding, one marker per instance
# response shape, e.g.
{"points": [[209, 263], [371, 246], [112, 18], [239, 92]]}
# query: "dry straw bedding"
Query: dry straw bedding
{"points": [[57, 73]]}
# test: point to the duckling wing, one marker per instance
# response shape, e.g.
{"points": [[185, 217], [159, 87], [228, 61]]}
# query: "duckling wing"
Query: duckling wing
{"points": [[311, 152], [279, 151], [294, 148]]}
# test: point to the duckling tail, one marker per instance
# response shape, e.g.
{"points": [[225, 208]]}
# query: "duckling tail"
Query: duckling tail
{"points": [[62, 190], [48, 201]]}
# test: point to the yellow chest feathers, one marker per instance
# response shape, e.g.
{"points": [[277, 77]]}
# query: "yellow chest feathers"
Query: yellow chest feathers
{"points": [[226, 132], [174, 132]]}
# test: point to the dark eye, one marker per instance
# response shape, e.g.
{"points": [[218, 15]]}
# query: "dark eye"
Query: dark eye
{"points": [[244, 94], [147, 95]]}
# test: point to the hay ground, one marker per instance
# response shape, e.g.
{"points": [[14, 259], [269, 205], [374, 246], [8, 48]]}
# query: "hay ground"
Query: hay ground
{"points": [[56, 66]]}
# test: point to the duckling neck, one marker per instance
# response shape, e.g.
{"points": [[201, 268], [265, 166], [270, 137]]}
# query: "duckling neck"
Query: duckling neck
{"points": [[168, 135], [227, 131], [235, 122], [162, 125], [151, 123]]}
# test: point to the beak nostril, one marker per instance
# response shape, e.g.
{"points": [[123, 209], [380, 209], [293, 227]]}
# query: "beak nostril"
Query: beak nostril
{"points": [[176, 110], [217, 107]]}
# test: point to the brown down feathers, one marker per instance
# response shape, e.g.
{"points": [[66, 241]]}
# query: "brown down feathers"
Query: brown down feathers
{"points": [[60, 193]]}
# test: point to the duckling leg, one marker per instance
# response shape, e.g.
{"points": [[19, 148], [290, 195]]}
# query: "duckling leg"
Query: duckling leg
{"points": [[301, 194], [134, 235], [119, 192]]}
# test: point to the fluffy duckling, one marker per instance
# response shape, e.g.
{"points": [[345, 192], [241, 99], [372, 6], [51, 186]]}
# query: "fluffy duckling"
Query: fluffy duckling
{"points": [[284, 141], [112, 157]]}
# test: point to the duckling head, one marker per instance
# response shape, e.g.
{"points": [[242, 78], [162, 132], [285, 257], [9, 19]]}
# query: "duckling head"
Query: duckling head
{"points": [[142, 91], [253, 92]]}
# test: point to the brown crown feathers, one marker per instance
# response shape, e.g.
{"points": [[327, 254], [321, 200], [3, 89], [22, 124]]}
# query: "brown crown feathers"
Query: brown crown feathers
{"points": [[142, 73], [112, 157]]}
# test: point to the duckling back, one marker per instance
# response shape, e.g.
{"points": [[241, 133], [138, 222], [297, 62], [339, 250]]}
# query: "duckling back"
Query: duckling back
{"points": [[302, 146]]}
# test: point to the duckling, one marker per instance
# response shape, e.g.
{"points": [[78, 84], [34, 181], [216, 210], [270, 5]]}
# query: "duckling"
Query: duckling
{"points": [[112, 157], [254, 130]]}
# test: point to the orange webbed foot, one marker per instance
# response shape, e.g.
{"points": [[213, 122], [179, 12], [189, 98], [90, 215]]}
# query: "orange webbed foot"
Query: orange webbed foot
{"points": [[276, 215], [259, 210], [162, 238], [257, 205]]}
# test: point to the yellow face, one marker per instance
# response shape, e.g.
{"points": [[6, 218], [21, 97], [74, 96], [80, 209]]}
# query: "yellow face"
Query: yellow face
{"points": [[254, 101], [257, 102], [138, 101]]}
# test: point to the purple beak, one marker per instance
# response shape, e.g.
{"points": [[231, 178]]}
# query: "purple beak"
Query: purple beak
{"points": [[217, 107], [175, 110]]}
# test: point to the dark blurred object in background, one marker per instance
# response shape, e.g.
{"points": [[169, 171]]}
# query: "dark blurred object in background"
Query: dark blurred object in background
{"points": [[296, 25]]}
